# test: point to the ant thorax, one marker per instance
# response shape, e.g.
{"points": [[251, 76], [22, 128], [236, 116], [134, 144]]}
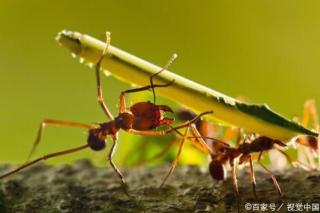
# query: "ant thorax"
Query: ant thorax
{"points": [[123, 121], [97, 136], [245, 148]]}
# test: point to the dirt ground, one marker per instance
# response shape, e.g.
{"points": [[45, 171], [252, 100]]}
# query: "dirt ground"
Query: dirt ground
{"points": [[85, 188]]}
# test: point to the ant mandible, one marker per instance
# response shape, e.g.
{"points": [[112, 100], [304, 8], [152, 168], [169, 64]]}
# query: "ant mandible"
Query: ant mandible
{"points": [[141, 119]]}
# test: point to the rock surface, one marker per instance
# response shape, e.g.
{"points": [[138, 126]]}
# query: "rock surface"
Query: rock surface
{"points": [[85, 188]]}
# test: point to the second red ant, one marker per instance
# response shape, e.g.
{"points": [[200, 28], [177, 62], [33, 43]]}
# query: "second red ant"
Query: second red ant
{"points": [[228, 155], [224, 154]]}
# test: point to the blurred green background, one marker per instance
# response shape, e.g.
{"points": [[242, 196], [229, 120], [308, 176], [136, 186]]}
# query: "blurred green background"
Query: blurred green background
{"points": [[265, 50]]}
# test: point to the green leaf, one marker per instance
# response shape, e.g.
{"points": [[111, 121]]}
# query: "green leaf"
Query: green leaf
{"points": [[133, 70]]}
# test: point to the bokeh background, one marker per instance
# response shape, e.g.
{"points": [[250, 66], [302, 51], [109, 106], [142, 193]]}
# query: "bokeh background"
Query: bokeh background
{"points": [[268, 51]]}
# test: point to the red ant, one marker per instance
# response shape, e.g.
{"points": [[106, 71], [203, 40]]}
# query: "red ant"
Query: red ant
{"points": [[141, 119], [227, 154], [208, 132], [310, 144], [243, 152], [223, 153]]}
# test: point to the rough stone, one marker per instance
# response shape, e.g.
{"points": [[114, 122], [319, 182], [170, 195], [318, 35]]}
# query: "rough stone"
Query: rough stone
{"points": [[84, 188]]}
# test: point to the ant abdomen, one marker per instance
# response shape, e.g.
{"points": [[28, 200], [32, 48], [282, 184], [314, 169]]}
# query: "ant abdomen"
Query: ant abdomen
{"points": [[96, 140]]}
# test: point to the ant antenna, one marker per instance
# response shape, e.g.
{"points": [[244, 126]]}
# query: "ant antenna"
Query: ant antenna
{"points": [[173, 57], [214, 140]]}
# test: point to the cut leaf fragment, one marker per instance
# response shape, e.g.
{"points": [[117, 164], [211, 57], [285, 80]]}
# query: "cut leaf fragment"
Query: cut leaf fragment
{"points": [[133, 70]]}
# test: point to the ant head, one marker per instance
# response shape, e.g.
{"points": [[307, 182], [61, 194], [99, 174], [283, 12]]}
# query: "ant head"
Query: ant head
{"points": [[313, 142], [217, 170], [280, 143], [124, 121], [96, 139], [309, 141], [186, 115]]}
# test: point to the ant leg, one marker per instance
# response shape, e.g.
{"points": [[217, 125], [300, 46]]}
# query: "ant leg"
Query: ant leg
{"points": [[133, 153], [275, 182], [113, 148], [174, 163], [307, 154], [201, 145], [164, 151], [45, 157], [188, 123], [234, 177], [235, 183], [151, 86], [100, 97], [159, 155], [173, 57], [57, 123], [99, 88], [310, 109], [122, 103], [142, 157], [295, 163], [232, 133], [253, 179], [167, 131]]}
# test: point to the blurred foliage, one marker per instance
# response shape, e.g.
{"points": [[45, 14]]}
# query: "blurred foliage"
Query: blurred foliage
{"points": [[265, 50]]}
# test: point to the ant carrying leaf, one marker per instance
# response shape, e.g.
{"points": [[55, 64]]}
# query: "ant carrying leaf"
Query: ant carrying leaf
{"points": [[140, 119]]}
